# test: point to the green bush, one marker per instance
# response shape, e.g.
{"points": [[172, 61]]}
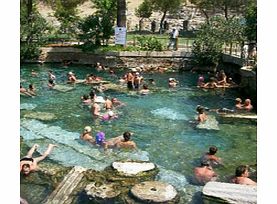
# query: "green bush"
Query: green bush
{"points": [[149, 43], [29, 51]]}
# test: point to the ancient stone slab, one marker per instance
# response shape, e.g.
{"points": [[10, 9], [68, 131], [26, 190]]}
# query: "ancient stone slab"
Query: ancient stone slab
{"points": [[101, 191], [41, 116], [239, 116], [154, 192], [133, 168], [62, 194], [62, 88], [218, 192]]}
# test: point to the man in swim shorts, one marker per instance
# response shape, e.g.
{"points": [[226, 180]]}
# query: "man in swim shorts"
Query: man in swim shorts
{"points": [[29, 164]]}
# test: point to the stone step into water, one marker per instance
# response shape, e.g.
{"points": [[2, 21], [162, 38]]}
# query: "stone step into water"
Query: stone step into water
{"points": [[217, 192], [70, 146], [63, 193]]}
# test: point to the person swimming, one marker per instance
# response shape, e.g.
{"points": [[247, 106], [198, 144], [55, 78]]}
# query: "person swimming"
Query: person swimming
{"points": [[210, 157]]}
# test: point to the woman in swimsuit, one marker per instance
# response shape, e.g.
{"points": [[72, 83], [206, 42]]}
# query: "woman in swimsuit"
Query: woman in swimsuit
{"points": [[29, 164]]}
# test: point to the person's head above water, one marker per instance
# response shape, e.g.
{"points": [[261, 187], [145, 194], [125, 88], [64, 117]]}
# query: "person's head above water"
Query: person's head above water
{"points": [[238, 100], [247, 101], [26, 170], [200, 109], [242, 170], [212, 150], [126, 136], [87, 129]]}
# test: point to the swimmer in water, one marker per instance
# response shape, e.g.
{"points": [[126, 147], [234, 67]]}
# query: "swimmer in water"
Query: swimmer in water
{"points": [[144, 90], [211, 157], [87, 135], [204, 173], [241, 176]]}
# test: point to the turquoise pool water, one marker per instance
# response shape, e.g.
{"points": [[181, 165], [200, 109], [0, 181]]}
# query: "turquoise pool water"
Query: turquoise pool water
{"points": [[159, 120]]}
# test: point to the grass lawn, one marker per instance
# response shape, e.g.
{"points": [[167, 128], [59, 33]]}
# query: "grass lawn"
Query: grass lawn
{"points": [[164, 38]]}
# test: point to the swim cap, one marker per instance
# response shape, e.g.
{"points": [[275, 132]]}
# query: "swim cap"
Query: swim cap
{"points": [[100, 138], [87, 129]]}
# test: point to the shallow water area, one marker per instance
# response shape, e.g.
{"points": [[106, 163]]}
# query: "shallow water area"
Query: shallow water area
{"points": [[160, 122]]}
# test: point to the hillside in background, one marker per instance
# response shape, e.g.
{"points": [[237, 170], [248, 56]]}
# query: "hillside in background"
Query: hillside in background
{"points": [[186, 13]]}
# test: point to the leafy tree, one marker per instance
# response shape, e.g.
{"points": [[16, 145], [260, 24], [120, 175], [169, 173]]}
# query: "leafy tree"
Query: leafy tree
{"points": [[91, 30], [144, 11], [33, 28], [106, 11], [207, 47], [165, 7], [207, 7], [66, 13], [229, 8], [251, 22]]}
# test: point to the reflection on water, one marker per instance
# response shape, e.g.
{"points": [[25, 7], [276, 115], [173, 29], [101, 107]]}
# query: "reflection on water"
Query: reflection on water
{"points": [[159, 120]]}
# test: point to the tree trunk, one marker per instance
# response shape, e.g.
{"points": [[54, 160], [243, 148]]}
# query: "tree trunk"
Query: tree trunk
{"points": [[206, 15], [226, 12], [121, 13], [161, 23]]}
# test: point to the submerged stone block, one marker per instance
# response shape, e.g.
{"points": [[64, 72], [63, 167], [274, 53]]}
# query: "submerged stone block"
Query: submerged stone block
{"points": [[217, 192], [44, 116], [130, 168], [155, 192], [101, 192]]}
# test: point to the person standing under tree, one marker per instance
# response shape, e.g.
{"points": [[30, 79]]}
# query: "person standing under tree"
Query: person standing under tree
{"points": [[173, 39]]}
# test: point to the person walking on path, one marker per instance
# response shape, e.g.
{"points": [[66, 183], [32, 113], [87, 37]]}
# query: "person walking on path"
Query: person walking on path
{"points": [[173, 39]]}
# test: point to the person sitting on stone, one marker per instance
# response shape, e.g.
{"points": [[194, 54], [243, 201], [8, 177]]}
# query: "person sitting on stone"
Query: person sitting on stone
{"points": [[211, 157], [247, 105], [202, 117], [29, 164], [71, 78], [222, 78], [204, 173], [241, 176], [87, 135], [51, 83], [211, 84]]}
